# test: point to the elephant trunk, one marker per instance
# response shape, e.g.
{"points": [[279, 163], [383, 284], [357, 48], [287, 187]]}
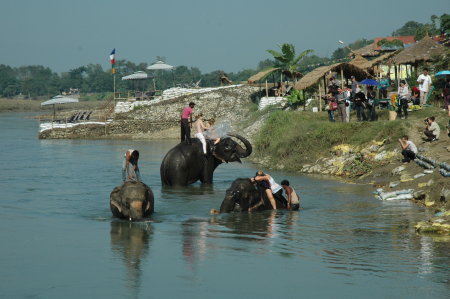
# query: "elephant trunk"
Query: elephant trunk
{"points": [[242, 153]]}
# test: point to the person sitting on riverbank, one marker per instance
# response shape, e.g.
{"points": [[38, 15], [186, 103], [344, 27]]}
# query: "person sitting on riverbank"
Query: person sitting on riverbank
{"points": [[293, 200], [131, 157], [432, 129], [199, 128], [409, 149]]}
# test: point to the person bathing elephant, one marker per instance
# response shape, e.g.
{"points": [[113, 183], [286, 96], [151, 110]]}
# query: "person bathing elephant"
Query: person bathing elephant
{"points": [[186, 163], [246, 196]]}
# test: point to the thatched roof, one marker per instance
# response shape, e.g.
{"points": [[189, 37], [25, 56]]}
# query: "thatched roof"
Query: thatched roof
{"points": [[262, 75], [368, 50], [359, 61], [369, 64], [314, 76], [421, 51]]}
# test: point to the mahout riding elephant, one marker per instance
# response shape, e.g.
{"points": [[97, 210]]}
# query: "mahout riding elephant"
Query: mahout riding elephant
{"points": [[245, 196], [186, 163], [132, 200]]}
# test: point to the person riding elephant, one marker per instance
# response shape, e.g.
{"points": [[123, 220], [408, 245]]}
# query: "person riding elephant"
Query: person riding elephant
{"points": [[186, 163]]}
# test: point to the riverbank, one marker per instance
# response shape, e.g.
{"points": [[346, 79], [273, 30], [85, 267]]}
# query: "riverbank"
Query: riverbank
{"points": [[361, 152]]}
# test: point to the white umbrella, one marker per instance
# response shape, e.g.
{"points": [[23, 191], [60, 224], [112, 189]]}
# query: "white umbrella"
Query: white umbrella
{"points": [[58, 100], [160, 65], [140, 75]]}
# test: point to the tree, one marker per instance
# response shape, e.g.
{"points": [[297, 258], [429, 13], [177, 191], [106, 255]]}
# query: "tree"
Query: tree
{"points": [[445, 24], [287, 59], [410, 28]]}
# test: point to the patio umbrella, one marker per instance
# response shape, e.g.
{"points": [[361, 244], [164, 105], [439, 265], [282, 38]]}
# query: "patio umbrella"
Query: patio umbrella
{"points": [[58, 100], [140, 75], [369, 82], [160, 65], [442, 73]]}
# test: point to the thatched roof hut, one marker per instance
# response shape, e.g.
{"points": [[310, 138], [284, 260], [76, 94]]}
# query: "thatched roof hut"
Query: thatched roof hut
{"points": [[314, 76], [261, 75], [368, 65], [424, 50], [366, 51]]}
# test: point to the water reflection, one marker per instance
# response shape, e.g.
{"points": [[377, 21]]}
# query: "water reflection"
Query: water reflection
{"points": [[131, 241]]}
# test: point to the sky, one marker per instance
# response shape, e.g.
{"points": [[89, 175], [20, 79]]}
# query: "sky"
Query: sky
{"points": [[229, 35]]}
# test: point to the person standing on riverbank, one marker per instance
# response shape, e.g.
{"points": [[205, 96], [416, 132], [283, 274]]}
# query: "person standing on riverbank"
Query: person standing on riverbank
{"points": [[131, 157], [293, 200], [186, 122], [409, 149], [424, 81]]}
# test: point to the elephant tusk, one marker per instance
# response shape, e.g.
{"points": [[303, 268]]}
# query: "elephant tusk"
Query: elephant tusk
{"points": [[117, 206]]}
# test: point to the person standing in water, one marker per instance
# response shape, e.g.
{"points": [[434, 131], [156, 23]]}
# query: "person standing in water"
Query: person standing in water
{"points": [[293, 201], [131, 157]]}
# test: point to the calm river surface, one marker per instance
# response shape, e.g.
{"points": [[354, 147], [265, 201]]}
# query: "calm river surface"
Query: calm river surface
{"points": [[58, 239]]}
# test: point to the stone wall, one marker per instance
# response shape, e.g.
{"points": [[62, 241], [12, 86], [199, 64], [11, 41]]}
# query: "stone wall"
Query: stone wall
{"points": [[149, 121]]}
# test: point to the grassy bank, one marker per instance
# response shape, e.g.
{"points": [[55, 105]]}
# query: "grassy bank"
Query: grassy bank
{"points": [[12, 105], [294, 138]]}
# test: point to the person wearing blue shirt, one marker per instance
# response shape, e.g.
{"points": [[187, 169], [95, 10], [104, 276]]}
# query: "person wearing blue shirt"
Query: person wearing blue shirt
{"points": [[384, 84]]}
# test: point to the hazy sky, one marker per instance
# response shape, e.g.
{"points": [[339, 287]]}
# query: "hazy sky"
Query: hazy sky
{"points": [[229, 35]]}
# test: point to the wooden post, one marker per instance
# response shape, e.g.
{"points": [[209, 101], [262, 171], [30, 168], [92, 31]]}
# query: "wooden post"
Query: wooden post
{"points": [[267, 91], [320, 96], [396, 75], [342, 78]]}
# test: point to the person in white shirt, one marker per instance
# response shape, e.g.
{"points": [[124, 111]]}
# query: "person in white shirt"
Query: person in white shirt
{"points": [[409, 149], [403, 95], [424, 81]]}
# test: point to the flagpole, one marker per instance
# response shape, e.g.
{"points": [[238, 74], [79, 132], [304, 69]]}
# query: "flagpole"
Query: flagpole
{"points": [[114, 90]]}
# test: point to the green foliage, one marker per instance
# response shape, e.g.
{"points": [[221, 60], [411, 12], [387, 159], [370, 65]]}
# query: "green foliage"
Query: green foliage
{"points": [[395, 43], [287, 58], [294, 138], [296, 98]]}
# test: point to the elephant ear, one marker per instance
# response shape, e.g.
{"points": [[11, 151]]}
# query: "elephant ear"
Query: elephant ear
{"points": [[240, 151]]}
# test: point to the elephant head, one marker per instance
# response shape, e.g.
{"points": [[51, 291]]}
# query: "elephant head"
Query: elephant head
{"points": [[241, 195], [132, 200], [230, 151]]}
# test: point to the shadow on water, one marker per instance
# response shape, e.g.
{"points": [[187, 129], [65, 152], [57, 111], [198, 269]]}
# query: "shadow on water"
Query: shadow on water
{"points": [[131, 242]]}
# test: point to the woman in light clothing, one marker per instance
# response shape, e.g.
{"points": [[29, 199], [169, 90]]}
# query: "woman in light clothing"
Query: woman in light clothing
{"points": [[131, 157], [199, 128], [275, 189]]}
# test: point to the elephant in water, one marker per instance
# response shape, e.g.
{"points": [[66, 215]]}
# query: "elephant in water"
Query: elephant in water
{"points": [[133, 200], [244, 196], [185, 163]]}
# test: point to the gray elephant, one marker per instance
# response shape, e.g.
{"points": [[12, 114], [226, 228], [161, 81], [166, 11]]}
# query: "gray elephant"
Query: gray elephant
{"points": [[186, 163], [244, 196], [133, 200]]}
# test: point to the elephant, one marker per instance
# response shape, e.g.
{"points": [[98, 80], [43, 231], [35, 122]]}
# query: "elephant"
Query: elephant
{"points": [[244, 196], [186, 163], [132, 200]]}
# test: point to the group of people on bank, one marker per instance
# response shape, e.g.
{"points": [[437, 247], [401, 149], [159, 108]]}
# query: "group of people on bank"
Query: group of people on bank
{"points": [[362, 101]]}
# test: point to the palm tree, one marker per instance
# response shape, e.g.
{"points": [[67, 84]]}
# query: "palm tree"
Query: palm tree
{"points": [[287, 61]]}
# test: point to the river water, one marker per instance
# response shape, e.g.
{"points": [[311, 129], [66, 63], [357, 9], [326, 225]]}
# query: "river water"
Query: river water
{"points": [[58, 239]]}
